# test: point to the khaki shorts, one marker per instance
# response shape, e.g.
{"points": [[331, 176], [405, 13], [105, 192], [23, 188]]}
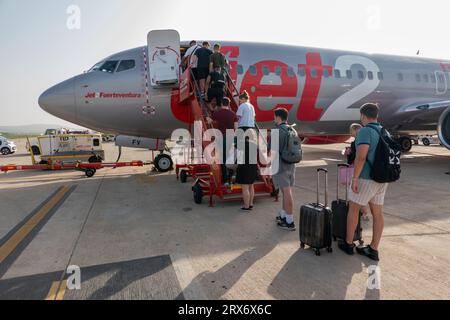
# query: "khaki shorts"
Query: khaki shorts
{"points": [[369, 192]]}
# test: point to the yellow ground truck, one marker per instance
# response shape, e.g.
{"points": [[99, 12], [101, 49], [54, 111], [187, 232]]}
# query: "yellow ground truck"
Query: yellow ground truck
{"points": [[66, 148]]}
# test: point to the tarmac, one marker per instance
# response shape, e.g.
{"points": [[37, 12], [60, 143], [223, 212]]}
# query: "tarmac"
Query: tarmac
{"points": [[137, 234]]}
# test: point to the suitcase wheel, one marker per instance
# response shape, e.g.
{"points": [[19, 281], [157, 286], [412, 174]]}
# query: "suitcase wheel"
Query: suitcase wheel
{"points": [[329, 249], [302, 245], [317, 251]]}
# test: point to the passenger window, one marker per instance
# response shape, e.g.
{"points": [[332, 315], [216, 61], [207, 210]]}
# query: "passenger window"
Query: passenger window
{"points": [[126, 65], [96, 142], [349, 74], [380, 76], [326, 73], [433, 79], [370, 75], [441, 78], [301, 71], [252, 70], [290, 72], [265, 70], [426, 78], [313, 72], [240, 69], [361, 74], [400, 77], [337, 73], [109, 66], [418, 77], [278, 71]]}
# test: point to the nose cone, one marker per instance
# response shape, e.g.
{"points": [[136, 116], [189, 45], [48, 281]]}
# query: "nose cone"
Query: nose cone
{"points": [[59, 100]]}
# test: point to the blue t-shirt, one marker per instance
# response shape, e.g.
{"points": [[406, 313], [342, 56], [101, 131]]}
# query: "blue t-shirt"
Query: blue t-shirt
{"points": [[370, 137]]}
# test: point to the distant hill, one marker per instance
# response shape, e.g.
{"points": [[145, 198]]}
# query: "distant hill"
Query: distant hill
{"points": [[32, 129]]}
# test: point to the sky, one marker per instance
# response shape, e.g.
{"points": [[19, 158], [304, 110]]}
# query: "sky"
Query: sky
{"points": [[45, 42]]}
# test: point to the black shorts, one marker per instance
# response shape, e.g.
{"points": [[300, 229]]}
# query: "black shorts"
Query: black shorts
{"points": [[215, 93], [202, 73], [195, 73], [246, 173]]}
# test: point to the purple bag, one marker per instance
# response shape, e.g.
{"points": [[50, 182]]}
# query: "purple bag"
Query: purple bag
{"points": [[345, 175]]}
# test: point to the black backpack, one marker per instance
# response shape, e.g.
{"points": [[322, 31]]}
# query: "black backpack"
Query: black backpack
{"points": [[386, 166]]}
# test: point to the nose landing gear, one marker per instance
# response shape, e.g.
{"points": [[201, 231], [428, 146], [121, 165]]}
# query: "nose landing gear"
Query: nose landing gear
{"points": [[163, 162]]}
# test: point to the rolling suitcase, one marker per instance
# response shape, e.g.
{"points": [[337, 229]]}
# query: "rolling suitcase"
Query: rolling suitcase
{"points": [[339, 207], [315, 221]]}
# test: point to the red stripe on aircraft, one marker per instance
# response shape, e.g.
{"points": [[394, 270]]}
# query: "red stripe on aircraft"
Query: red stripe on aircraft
{"points": [[307, 110]]}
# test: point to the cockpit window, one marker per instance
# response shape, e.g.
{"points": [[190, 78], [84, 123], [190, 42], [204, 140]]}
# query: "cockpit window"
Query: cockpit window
{"points": [[126, 65], [96, 66], [109, 66]]}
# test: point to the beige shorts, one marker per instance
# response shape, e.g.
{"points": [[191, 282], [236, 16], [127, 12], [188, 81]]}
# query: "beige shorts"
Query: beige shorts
{"points": [[369, 192]]}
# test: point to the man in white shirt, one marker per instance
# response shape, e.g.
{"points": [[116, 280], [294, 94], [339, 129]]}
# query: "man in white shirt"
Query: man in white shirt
{"points": [[246, 112], [190, 58]]}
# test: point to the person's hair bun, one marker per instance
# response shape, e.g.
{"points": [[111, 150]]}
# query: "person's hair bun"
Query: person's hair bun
{"points": [[244, 95]]}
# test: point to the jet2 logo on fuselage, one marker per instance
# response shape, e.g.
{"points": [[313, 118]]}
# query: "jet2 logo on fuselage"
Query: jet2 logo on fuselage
{"points": [[113, 95]]}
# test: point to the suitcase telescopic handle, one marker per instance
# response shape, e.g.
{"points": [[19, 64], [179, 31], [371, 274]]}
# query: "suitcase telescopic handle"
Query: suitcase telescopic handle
{"points": [[342, 165], [325, 171]]}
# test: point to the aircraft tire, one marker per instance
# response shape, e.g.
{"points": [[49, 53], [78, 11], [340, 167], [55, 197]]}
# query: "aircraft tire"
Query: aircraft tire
{"points": [[163, 162], [405, 143]]}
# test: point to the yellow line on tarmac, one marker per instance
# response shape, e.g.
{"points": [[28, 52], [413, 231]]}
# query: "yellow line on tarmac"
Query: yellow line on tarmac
{"points": [[57, 290], [8, 247]]}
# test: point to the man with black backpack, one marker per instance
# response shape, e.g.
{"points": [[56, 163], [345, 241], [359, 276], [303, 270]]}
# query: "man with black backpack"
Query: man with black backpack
{"points": [[290, 153], [377, 163]]}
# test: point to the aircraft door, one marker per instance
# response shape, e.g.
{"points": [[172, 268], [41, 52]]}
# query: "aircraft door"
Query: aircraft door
{"points": [[441, 82], [163, 57]]}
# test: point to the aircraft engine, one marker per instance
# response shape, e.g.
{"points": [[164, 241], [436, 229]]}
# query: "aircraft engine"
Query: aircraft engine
{"points": [[444, 128]]}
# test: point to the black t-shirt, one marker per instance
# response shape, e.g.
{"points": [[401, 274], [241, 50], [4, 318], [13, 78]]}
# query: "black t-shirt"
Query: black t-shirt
{"points": [[352, 155], [217, 80], [203, 57]]}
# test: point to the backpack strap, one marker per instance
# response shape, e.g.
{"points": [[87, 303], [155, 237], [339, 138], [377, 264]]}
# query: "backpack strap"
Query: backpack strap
{"points": [[379, 134]]}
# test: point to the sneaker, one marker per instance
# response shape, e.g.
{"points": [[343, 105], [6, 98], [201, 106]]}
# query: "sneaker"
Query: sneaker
{"points": [[246, 209], [347, 248], [286, 226], [368, 252], [279, 218]]}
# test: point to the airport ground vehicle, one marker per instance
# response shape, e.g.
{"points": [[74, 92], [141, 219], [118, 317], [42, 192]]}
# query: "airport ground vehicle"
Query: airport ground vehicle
{"points": [[67, 148], [7, 146], [89, 169], [108, 137], [429, 140]]}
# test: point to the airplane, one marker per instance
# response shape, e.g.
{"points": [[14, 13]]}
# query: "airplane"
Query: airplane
{"points": [[137, 92]]}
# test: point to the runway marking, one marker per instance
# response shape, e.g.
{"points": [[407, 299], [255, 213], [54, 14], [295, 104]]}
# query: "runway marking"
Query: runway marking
{"points": [[57, 290], [8, 247], [186, 275]]}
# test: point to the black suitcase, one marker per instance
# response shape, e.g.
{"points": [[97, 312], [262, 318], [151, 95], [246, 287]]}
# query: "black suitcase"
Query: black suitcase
{"points": [[315, 221], [339, 207]]}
